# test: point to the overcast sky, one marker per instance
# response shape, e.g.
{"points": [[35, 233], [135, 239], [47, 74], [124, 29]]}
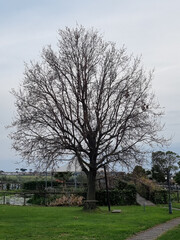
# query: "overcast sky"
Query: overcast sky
{"points": [[148, 28]]}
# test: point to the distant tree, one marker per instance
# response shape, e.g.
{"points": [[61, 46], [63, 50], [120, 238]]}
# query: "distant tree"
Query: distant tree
{"points": [[158, 174], [87, 100], [177, 178], [139, 171], [163, 163], [23, 170], [64, 176]]}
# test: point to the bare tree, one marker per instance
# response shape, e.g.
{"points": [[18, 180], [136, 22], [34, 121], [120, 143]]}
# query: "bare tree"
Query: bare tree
{"points": [[89, 100]]}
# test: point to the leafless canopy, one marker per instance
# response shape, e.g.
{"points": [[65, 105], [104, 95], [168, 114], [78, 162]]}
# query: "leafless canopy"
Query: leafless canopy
{"points": [[89, 100]]}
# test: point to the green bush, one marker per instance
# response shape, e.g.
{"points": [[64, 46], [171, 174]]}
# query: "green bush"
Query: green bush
{"points": [[121, 185], [38, 185], [127, 196], [37, 199], [42, 198], [144, 190], [159, 196], [117, 197], [123, 194]]}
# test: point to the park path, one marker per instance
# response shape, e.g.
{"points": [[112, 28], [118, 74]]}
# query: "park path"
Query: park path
{"points": [[154, 232], [142, 201]]}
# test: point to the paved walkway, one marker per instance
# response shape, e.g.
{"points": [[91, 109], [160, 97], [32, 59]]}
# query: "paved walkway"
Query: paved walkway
{"points": [[154, 232], [142, 201]]}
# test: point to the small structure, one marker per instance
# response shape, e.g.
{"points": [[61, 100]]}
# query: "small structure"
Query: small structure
{"points": [[116, 211]]}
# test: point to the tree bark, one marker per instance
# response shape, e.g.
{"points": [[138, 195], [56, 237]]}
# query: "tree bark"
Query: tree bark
{"points": [[90, 203], [91, 193]]}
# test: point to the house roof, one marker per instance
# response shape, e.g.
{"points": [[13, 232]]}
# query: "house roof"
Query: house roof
{"points": [[70, 167]]}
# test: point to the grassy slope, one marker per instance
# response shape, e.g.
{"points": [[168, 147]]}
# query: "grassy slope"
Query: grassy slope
{"points": [[46, 223]]}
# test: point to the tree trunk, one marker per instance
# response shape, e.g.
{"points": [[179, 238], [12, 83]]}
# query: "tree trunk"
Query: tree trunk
{"points": [[90, 203]]}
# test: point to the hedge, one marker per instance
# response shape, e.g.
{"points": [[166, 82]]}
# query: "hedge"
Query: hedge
{"points": [[123, 194], [117, 197], [159, 196], [155, 196], [38, 185]]}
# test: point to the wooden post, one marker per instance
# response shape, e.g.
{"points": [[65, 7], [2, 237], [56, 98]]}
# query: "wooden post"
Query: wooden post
{"points": [[24, 199], [178, 195], [4, 198], [107, 191], [45, 200]]}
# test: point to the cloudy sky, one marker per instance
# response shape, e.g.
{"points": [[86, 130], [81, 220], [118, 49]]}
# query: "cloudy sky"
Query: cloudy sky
{"points": [[148, 28]]}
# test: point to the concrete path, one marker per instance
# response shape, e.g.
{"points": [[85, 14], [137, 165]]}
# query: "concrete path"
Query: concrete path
{"points": [[142, 201], [154, 232]]}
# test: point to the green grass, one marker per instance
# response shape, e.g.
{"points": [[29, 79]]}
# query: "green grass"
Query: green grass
{"points": [[175, 205], [23, 178], [53, 223], [173, 234]]}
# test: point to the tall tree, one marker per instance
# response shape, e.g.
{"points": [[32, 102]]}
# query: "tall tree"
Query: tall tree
{"points": [[163, 163], [89, 100]]}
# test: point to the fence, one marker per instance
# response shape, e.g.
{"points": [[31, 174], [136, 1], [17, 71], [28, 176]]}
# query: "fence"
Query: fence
{"points": [[21, 198]]}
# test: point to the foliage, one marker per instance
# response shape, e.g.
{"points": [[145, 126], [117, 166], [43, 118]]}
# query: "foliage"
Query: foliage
{"points": [[64, 176], [117, 197], [158, 174], [123, 194], [8, 186], [41, 199], [151, 191], [159, 196], [37, 199], [121, 185], [163, 163], [138, 171], [71, 200], [38, 185], [177, 178]]}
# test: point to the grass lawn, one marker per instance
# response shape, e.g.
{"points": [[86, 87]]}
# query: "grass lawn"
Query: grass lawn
{"points": [[53, 223], [23, 178], [173, 234], [175, 205]]}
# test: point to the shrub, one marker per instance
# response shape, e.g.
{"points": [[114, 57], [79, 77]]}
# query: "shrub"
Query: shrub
{"points": [[71, 200], [37, 199], [151, 191], [159, 196], [118, 197], [42, 198], [38, 185], [121, 185]]}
